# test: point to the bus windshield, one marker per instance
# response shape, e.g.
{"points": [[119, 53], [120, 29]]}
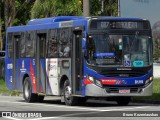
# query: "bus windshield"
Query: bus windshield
{"points": [[120, 50]]}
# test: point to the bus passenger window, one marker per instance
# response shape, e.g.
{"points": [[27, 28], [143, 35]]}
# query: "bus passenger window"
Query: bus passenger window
{"points": [[10, 46], [64, 44], [52, 44], [22, 46], [30, 45], [42, 45]]}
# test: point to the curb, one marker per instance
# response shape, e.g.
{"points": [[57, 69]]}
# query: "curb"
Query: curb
{"points": [[7, 94], [146, 101]]}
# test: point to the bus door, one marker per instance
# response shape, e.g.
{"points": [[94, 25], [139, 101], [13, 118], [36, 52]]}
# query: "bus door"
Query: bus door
{"points": [[77, 62], [16, 65], [40, 61]]}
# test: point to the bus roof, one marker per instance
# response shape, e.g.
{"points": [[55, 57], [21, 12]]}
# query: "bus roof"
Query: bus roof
{"points": [[69, 18], [46, 23], [54, 19]]}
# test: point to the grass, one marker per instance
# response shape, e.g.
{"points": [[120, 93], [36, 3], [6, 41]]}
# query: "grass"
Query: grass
{"points": [[5, 91], [156, 92]]}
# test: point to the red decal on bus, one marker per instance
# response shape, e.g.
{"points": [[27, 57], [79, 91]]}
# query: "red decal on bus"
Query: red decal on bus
{"points": [[109, 81], [33, 77], [87, 81]]}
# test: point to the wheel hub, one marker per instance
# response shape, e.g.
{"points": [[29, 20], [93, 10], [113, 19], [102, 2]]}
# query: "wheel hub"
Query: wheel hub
{"points": [[26, 90]]}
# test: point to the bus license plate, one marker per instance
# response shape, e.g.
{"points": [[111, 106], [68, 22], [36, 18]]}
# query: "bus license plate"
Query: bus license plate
{"points": [[124, 91]]}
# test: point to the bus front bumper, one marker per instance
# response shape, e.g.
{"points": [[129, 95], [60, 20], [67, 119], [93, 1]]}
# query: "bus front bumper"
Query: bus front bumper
{"points": [[93, 90]]}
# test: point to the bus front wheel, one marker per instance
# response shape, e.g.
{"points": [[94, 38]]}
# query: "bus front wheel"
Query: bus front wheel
{"points": [[68, 98], [27, 91], [123, 101]]}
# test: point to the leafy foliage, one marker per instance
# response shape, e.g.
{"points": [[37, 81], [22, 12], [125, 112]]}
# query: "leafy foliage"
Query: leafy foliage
{"points": [[104, 7], [95, 7], [110, 8], [23, 9], [50, 8]]}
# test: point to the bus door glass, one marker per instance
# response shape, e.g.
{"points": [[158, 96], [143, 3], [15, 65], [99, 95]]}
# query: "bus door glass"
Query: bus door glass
{"points": [[77, 67], [12, 74], [16, 66], [40, 62]]}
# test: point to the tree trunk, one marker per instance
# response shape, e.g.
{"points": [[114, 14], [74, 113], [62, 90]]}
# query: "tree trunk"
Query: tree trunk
{"points": [[6, 13], [9, 12], [1, 41]]}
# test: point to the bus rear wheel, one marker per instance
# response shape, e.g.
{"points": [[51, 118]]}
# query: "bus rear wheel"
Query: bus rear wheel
{"points": [[27, 91], [123, 101], [68, 98]]}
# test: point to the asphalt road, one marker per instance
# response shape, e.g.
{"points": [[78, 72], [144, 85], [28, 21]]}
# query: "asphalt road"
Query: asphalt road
{"points": [[52, 108]]}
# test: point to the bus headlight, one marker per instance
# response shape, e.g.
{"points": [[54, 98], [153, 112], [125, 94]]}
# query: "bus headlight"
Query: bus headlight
{"points": [[149, 80], [91, 79], [98, 83], [95, 81]]}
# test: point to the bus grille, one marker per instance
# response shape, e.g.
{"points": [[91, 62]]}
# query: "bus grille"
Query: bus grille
{"points": [[122, 74], [116, 89]]}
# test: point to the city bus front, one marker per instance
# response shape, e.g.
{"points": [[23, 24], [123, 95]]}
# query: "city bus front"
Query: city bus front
{"points": [[118, 58]]}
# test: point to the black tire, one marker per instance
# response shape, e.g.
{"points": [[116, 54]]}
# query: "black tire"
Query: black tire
{"points": [[68, 98], [123, 101], [40, 98], [82, 100], [27, 91]]}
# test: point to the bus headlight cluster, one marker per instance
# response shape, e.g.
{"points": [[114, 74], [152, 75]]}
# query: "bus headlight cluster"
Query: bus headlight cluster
{"points": [[149, 80], [98, 83], [91, 79], [95, 81]]}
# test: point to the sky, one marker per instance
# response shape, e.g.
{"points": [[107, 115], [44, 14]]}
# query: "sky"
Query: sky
{"points": [[147, 9]]}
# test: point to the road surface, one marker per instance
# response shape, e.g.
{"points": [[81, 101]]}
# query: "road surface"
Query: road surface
{"points": [[52, 109]]}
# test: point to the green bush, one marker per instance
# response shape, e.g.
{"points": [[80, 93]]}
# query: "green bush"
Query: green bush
{"points": [[5, 91]]}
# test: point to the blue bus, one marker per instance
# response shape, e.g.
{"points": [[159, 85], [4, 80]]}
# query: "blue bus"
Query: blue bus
{"points": [[78, 57]]}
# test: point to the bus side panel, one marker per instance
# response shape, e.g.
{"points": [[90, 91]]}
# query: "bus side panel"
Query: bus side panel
{"points": [[18, 83], [52, 73], [9, 73], [32, 72], [22, 72], [42, 76], [56, 69], [27, 67]]}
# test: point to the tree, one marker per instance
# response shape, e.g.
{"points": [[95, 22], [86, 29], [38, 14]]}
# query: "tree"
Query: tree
{"points": [[23, 11], [110, 8], [104, 7], [16, 12], [9, 12], [95, 7], [51, 8], [68, 7], [1, 41], [43, 8]]}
